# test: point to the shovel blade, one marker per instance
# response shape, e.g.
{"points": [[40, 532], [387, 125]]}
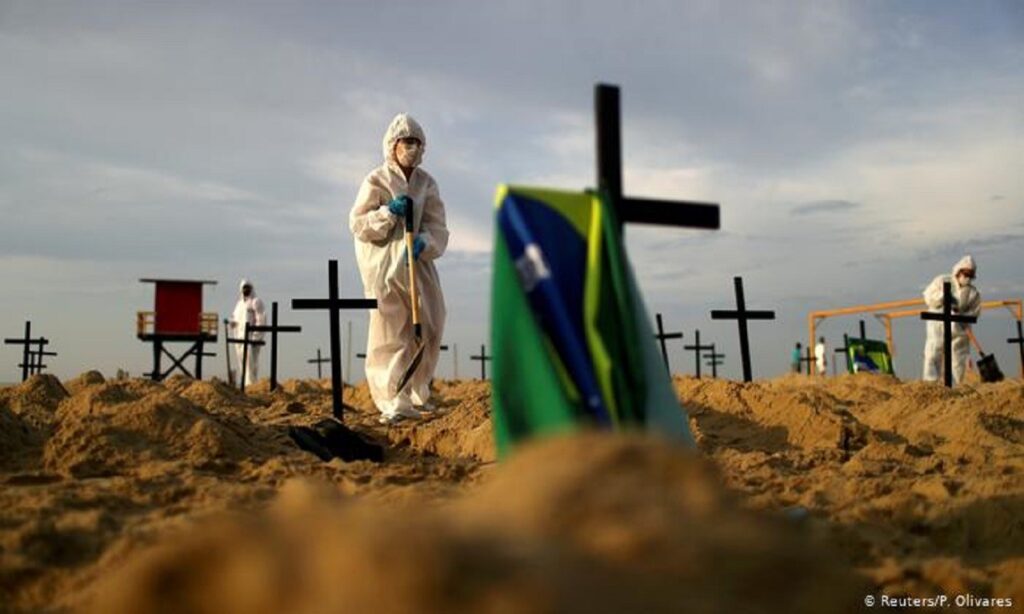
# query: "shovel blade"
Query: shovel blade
{"points": [[416, 359], [988, 369]]}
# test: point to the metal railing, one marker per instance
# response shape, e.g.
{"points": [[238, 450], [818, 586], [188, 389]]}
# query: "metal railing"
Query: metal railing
{"points": [[145, 323]]}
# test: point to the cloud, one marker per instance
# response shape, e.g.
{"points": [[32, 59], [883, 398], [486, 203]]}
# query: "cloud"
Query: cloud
{"points": [[825, 206]]}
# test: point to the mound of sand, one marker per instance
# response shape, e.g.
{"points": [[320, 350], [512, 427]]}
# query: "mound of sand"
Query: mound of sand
{"points": [[112, 428], [913, 488], [918, 484], [89, 378], [588, 524], [27, 417]]}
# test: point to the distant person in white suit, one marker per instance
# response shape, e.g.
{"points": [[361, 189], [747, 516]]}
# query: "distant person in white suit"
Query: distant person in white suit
{"points": [[966, 301], [248, 310]]}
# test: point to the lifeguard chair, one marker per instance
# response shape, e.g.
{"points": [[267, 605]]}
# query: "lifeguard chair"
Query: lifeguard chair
{"points": [[177, 317]]}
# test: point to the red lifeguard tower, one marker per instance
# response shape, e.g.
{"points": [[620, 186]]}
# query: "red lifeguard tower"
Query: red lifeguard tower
{"points": [[177, 317]]}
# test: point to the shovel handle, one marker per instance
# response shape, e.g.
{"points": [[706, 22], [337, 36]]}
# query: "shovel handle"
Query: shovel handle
{"points": [[413, 297], [974, 340]]}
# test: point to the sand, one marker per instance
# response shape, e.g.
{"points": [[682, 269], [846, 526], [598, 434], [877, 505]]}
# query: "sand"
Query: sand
{"points": [[805, 495]]}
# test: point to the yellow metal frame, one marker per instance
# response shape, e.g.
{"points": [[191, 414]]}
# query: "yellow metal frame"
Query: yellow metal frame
{"points": [[887, 312], [145, 323]]}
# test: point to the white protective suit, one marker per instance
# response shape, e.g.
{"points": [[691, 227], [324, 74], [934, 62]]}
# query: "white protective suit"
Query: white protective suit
{"points": [[248, 310], [967, 302], [380, 253], [819, 357]]}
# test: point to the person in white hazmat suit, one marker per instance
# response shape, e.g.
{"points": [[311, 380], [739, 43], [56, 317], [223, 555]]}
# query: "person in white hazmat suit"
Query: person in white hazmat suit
{"points": [[966, 301], [249, 309], [397, 188]]}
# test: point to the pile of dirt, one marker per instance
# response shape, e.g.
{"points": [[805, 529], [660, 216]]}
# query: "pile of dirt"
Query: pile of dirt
{"points": [[918, 484], [89, 378], [913, 488], [585, 524], [27, 417], [114, 428]]}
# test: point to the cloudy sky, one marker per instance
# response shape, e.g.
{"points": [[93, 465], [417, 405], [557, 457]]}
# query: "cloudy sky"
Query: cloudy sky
{"points": [[857, 150]]}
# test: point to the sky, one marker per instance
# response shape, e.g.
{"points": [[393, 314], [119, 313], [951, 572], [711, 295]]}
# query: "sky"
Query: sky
{"points": [[857, 149]]}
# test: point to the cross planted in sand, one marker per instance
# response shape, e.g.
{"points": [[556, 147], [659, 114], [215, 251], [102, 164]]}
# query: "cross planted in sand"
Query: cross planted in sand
{"points": [[741, 315], [483, 358], [273, 329], [319, 363], [697, 348], [1020, 345], [808, 359], [661, 336], [715, 360], [28, 361], [947, 317], [334, 305], [246, 341]]}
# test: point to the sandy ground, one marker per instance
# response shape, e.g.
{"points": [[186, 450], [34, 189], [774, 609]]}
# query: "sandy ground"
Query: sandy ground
{"points": [[805, 496]]}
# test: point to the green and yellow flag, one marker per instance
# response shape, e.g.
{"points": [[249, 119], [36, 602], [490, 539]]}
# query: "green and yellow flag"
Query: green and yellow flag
{"points": [[573, 347]]}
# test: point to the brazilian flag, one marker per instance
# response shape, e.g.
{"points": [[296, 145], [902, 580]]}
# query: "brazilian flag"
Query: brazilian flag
{"points": [[573, 347]]}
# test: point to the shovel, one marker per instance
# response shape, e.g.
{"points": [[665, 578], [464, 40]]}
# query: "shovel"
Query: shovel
{"points": [[987, 367], [417, 356]]}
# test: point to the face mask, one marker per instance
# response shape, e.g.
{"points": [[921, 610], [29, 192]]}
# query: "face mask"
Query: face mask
{"points": [[964, 280], [407, 154]]}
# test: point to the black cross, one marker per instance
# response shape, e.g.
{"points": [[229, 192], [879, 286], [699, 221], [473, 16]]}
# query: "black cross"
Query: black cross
{"points": [[661, 337], [846, 352], [863, 332], [714, 360], [809, 358], [36, 358], [319, 364], [1020, 344], [947, 317], [609, 176], [274, 329], [697, 348], [334, 305], [245, 342], [26, 351], [741, 315], [227, 354], [483, 358]]}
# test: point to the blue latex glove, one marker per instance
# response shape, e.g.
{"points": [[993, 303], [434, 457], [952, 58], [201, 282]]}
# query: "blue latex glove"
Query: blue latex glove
{"points": [[418, 245], [399, 205]]}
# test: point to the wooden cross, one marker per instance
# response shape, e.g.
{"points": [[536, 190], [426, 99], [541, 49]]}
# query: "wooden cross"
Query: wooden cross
{"points": [[36, 358], [686, 214], [714, 361], [809, 358], [1020, 345], [227, 354], [483, 358], [947, 317], [741, 315], [334, 305], [863, 332], [245, 342], [25, 342], [661, 337], [319, 364], [273, 329], [846, 353], [697, 348]]}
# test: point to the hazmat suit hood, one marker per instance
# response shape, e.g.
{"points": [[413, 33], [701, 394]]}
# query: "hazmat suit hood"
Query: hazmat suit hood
{"points": [[245, 282], [402, 126], [967, 262]]}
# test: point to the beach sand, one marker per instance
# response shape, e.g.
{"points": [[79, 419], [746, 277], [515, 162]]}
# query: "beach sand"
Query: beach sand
{"points": [[805, 495]]}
